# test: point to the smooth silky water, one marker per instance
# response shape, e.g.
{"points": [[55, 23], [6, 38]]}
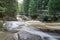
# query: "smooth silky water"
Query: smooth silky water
{"points": [[21, 28]]}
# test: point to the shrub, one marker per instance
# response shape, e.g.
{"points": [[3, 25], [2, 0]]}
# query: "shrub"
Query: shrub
{"points": [[47, 18]]}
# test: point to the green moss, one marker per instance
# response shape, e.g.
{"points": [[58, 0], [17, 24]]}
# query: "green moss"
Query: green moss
{"points": [[1, 24]]}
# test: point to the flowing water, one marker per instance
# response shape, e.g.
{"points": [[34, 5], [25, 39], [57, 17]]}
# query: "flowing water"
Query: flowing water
{"points": [[26, 32]]}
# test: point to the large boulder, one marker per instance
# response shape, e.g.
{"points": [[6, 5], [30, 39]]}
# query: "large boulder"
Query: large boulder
{"points": [[13, 26]]}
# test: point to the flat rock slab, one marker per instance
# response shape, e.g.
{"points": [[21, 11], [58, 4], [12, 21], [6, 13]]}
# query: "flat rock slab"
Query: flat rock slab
{"points": [[28, 36], [53, 26], [42, 25], [7, 36], [24, 36]]}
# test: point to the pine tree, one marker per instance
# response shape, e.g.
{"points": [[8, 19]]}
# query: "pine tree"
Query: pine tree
{"points": [[54, 7], [2, 8], [11, 6], [26, 6], [33, 7]]}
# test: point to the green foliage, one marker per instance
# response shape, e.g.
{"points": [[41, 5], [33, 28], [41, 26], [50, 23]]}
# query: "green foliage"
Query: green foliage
{"points": [[9, 7], [31, 7], [2, 10], [2, 6], [51, 18], [26, 6], [20, 7], [47, 18], [1, 24], [42, 4], [54, 7]]}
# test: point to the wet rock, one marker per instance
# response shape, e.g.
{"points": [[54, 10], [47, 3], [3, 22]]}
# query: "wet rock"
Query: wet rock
{"points": [[13, 26], [22, 18], [26, 32], [28, 36]]}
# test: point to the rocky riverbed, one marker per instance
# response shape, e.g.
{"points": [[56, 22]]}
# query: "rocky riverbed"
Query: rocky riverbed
{"points": [[23, 31]]}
